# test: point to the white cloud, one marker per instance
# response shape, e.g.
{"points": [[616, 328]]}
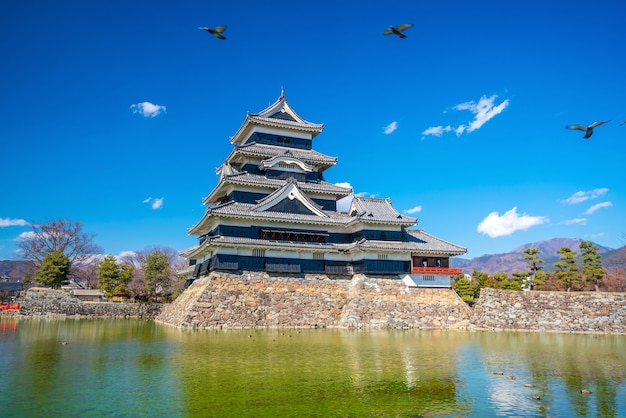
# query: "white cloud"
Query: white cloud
{"points": [[147, 109], [4, 222], [157, 203], [575, 221], [581, 196], [436, 130], [391, 127], [483, 111], [597, 206], [26, 236], [344, 184], [416, 209], [495, 225]]}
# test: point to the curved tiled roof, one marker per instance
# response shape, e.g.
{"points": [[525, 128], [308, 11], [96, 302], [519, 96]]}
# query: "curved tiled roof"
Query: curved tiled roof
{"points": [[246, 210], [378, 210], [268, 151], [246, 179], [277, 115], [427, 242], [222, 241], [414, 241]]}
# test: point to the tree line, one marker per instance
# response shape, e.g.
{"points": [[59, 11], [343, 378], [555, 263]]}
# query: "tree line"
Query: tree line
{"points": [[582, 271], [62, 253]]}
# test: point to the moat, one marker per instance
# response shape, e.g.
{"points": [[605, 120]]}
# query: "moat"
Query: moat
{"points": [[132, 367]]}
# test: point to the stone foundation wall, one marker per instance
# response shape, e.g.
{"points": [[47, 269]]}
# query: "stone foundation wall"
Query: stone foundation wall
{"points": [[580, 312], [50, 302], [256, 300]]}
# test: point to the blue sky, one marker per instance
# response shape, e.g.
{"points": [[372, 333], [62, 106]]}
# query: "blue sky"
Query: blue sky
{"points": [[116, 113]]}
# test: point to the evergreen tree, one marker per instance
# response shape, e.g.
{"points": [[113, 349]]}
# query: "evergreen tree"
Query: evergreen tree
{"points": [[520, 277], [54, 270], [534, 265], [113, 277], [591, 263], [157, 271], [464, 288], [567, 273], [514, 282]]}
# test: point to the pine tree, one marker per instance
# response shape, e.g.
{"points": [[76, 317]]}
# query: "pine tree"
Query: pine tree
{"points": [[157, 271], [465, 289], [567, 273], [113, 277], [54, 270], [591, 263], [534, 265]]}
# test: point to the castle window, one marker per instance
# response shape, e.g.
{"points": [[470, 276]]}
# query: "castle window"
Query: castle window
{"points": [[318, 256], [383, 256], [258, 253]]}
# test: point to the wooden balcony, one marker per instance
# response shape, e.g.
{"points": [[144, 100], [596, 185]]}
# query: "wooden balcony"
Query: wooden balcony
{"points": [[437, 270]]}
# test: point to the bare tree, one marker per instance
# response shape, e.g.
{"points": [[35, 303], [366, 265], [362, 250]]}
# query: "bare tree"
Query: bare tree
{"points": [[62, 235], [85, 274], [137, 285]]}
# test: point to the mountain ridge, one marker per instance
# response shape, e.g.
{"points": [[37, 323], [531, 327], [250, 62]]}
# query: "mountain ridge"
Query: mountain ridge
{"points": [[513, 261]]}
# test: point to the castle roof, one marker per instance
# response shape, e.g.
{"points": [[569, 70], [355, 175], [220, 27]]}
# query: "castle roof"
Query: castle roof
{"points": [[242, 178], [378, 210], [376, 213], [415, 241], [253, 149], [278, 115]]}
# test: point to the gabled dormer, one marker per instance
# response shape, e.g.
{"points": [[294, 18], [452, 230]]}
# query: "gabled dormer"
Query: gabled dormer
{"points": [[286, 163], [374, 210], [279, 120], [289, 199]]}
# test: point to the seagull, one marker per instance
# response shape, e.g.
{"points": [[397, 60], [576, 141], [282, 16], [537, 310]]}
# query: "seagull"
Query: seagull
{"points": [[622, 123], [587, 129], [397, 30], [217, 31]]}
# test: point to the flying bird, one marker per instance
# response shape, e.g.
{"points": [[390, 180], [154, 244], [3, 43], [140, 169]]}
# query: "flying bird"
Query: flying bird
{"points": [[587, 129], [622, 123], [397, 30], [217, 31]]}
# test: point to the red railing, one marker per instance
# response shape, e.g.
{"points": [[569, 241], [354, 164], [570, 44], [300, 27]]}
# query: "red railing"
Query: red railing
{"points": [[437, 270]]}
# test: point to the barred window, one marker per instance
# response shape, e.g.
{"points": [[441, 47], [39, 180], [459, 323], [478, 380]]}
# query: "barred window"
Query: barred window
{"points": [[258, 253]]}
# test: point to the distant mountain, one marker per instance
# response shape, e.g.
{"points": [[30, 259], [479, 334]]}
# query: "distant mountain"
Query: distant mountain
{"points": [[514, 261], [15, 269]]}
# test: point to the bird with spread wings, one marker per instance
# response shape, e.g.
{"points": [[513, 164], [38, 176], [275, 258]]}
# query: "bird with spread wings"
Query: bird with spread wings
{"points": [[588, 130], [397, 30], [217, 31]]}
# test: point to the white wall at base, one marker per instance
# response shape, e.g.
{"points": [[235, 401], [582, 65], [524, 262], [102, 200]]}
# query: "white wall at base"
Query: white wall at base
{"points": [[426, 280]]}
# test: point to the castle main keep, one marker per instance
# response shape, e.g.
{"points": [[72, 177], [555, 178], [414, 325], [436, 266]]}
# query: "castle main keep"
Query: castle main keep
{"points": [[272, 211]]}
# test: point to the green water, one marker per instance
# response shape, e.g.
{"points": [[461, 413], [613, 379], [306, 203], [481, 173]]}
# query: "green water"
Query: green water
{"points": [[134, 368]]}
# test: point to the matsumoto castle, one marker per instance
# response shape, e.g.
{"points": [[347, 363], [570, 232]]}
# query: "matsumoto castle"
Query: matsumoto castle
{"points": [[272, 211]]}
